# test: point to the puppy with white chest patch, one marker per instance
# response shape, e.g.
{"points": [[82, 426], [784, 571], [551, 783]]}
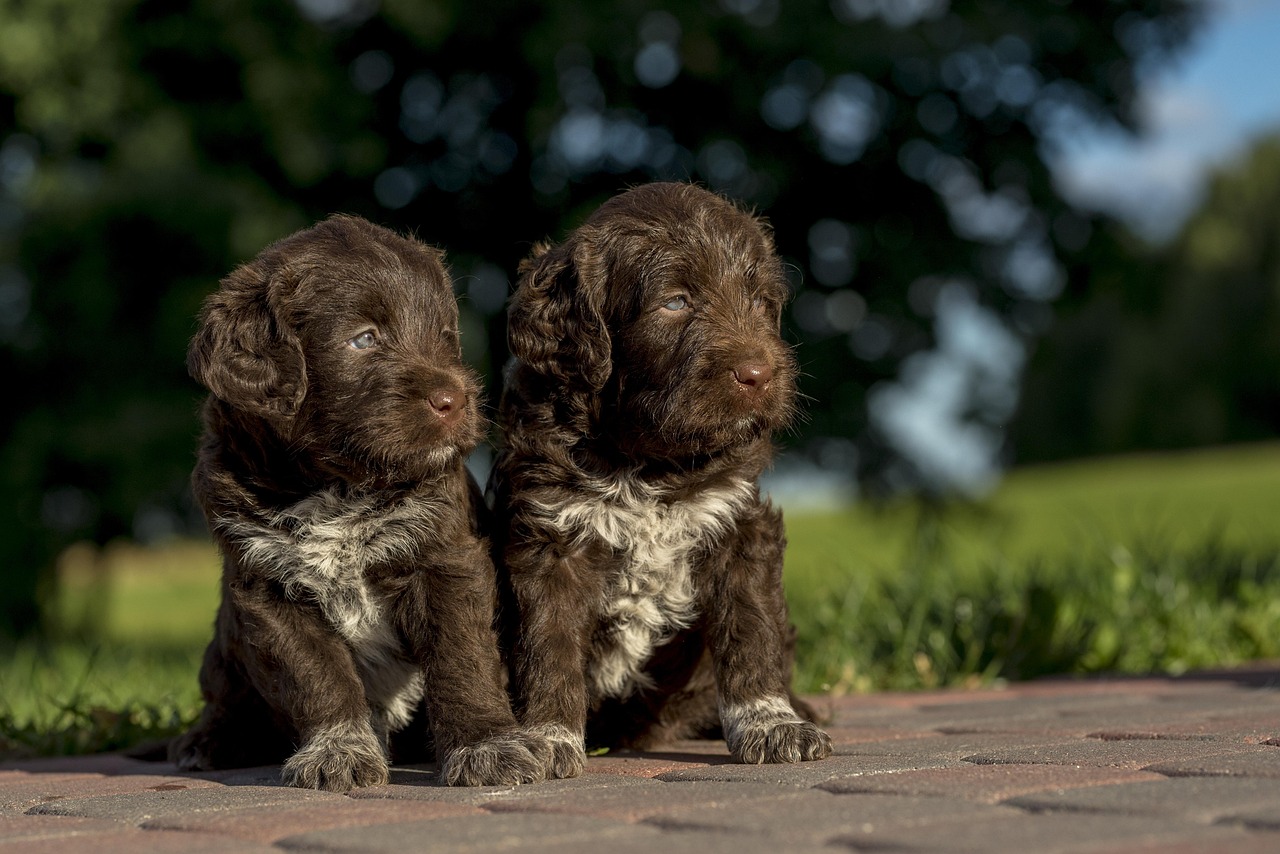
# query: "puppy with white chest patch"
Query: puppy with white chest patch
{"points": [[357, 589], [642, 569]]}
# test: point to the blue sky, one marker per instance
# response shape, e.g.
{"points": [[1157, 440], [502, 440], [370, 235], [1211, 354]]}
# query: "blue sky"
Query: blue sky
{"points": [[1198, 113]]}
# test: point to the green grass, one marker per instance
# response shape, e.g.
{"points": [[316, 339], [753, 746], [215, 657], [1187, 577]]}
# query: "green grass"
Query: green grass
{"points": [[1140, 564], [1155, 563]]}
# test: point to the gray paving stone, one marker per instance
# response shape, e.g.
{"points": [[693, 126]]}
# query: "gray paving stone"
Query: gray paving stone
{"points": [[682, 842], [987, 783], [1264, 818], [268, 823], [956, 747], [28, 828], [634, 803], [483, 833], [816, 816], [1044, 834], [140, 807], [426, 788], [808, 774], [131, 840], [1264, 761], [1199, 799], [20, 794], [1134, 753]]}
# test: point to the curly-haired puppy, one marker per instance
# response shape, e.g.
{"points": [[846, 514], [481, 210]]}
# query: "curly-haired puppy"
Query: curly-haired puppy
{"points": [[644, 569], [356, 588]]}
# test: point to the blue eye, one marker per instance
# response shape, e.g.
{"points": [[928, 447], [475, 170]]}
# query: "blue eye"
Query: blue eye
{"points": [[676, 304], [363, 341]]}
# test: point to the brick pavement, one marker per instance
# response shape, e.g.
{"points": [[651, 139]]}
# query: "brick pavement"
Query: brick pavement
{"points": [[1112, 765]]}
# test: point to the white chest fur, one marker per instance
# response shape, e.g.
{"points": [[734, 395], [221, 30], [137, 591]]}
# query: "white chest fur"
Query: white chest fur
{"points": [[320, 550], [651, 596]]}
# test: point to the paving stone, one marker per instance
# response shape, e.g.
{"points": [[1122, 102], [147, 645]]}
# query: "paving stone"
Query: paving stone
{"points": [[957, 746], [1265, 818], [808, 774], [94, 763], [682, 842], [1234, 729], [1200, 799], [1208, 841], [816, 816], [629, 764], [27, 828], [482, 833], [426, 788], [131, 840], [21, 794], [269, 823], [1136, 753], [634, 803], [1264, 761], [843, 737], [139, 807], [986, 783], [1043, 834]]}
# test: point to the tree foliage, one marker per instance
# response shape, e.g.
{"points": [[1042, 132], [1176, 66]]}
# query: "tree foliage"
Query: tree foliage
{"points": [[899, 148], [1178, 345]]}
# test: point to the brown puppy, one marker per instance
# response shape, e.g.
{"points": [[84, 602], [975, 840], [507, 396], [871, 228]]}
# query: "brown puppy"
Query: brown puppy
{"points": [[643, 568], [355, 583]]}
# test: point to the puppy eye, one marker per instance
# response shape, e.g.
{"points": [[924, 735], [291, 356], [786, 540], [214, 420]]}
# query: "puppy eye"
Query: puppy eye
{"points": [[678, 303], [363, 341]]}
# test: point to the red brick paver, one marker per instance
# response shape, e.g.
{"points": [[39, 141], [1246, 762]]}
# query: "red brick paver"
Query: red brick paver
{"points": [[1104, 765]]}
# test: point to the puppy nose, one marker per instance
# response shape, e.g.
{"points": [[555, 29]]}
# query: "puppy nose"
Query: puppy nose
{"points": [[447, 403], [753, 376]]}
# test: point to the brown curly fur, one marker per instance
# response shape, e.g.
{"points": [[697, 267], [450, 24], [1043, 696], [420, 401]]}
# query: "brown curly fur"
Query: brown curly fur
{"points": [[357, 588], [642, 568]]}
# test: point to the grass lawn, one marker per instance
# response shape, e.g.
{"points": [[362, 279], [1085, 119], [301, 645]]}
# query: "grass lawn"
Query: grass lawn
{"points": [[1149, 563]]}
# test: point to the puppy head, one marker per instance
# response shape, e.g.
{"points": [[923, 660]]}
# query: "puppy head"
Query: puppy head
{"points": [[343, 340], [665, 306]]}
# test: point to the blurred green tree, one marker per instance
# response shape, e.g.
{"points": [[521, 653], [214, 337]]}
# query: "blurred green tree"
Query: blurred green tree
{"points": [[146, 146], [1176, 345]]}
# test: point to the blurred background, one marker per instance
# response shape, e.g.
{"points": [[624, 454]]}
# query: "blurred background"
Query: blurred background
{"points": [[1017, 233]]}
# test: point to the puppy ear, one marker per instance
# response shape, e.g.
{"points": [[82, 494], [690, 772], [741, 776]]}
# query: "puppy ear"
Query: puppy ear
{"points": [[242, 351], [556, 321]]}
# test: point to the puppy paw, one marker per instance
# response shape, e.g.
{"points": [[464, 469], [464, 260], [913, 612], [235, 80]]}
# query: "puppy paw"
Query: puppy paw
{"points": [[503, 759], [559, 751], [337, 759], [192, 751], [768, 730]]}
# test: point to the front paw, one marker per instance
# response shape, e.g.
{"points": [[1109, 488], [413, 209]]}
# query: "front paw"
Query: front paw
{"points": [[559, 751], [791, 741], [503, 759], [338, 759], [192, 751], [769, 731]]}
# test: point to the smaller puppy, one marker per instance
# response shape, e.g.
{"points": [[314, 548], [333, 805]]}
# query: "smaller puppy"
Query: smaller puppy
{"points": [[355, 583], [643, 569]]}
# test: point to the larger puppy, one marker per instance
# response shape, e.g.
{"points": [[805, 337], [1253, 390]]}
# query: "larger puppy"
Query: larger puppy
{"points": [[355, 584], [645, 571]]}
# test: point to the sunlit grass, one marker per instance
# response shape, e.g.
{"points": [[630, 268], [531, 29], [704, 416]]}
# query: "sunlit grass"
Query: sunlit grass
{"points": [[1134, 564], [1140, 564]]}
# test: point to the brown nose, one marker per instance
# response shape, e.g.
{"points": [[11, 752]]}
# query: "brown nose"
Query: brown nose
{"points": [[448, 403], [753, 376]]}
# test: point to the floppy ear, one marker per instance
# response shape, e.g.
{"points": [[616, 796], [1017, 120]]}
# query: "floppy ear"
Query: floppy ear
{"points": [[556, 321], [243, 353]]}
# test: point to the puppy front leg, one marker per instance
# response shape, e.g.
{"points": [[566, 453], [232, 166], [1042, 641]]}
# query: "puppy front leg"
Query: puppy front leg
{"points": [[307, 675], [554, 596], [747, 622], [448, 616]]}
